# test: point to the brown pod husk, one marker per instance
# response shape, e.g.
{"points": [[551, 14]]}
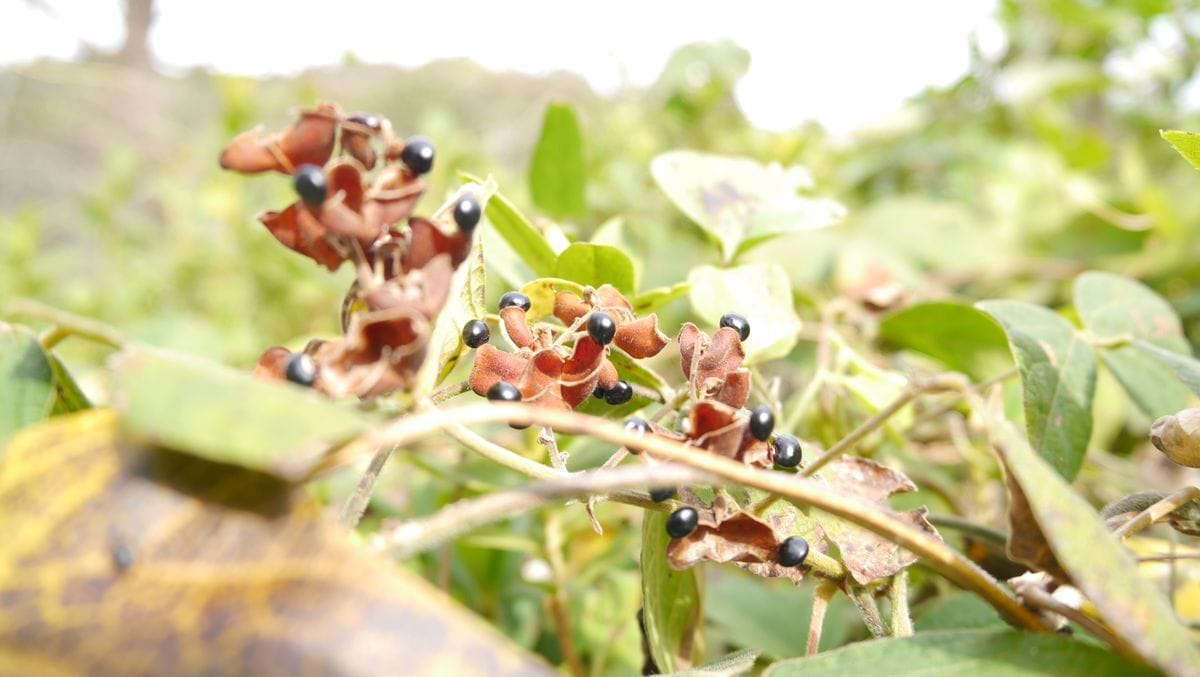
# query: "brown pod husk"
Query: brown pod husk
{"points": [[1178, 437]]}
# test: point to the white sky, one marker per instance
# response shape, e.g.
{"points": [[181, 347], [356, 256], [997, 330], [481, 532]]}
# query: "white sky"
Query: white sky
{"points": [[843, 63]]}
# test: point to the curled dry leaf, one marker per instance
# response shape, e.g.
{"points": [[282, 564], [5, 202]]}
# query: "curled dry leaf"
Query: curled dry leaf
{"points": [[868, 556], [727, 533], [310, 140], [1178, 437], [711, 364], [165, 563], [725, 431]]}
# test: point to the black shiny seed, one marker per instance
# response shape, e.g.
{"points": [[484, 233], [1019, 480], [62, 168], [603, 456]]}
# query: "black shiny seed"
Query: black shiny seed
{"points": [[660, 495], [504, 392], [792, 552], [466, 213], [601, 328], [599, 393], [682, 522], [310, 184], [418, 154], [476, 333], [365, 119], [301, 369], [620, 393], [762, 422], [515, 298], [737, 323], [787, 451], [637, 425]]}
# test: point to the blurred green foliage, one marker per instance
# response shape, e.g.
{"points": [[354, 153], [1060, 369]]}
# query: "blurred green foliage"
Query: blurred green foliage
{"points": [[1042, 162]]}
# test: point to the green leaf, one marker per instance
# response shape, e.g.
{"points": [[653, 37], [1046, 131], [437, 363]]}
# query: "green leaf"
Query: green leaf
{"points": [[27, 392], [738, 663], [541, 293], [957, 611], [739, 202], [557, 176], [527, 241], [670, 599], [653, 299], [1116, 308], [596, 264], [1099, 565], [771, 616], [1185, 367], [1058, 377], [69, 397], [1186, 144], [957, 335], [219, 414], [762, 293], [995, 653], [634, 372]]}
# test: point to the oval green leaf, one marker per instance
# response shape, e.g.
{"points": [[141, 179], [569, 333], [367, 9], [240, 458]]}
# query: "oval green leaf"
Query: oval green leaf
{"points": [[739, 202], [1100, 566], [557, 176], [760, 292], [220, 414], [1058, 378], [670, 600], [996, 653], [596, 264], [1186, 144], [27, 392], [527, 241], [653, 299], [541, 293], [955, 334]]}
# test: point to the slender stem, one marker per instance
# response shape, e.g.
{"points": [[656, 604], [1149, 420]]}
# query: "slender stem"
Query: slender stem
{"points": [[557, 458], [558, 598], [901, 619], [494, 452], [670, 406], [66, 324], [446, 392], [822, 595], [866, 428], [355, 506], [1157, 511], [864, 601], [1039, 598], [966, 526], [803, 491], [947, 407], [411, 537]]}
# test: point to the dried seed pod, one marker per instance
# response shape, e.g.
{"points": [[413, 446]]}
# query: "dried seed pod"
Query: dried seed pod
{"points": [[1178, 436]]}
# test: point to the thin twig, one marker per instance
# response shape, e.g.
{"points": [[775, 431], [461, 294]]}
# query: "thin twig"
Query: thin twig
{"points": [[966, 526], [1040, 599], [822, 595], [446, 392], [901, 619], [355, 506], [419, 535], [865, 603], [558, 598], [868, 426], [66, 324], [943, 559], [557, 459], [1157, 511]]}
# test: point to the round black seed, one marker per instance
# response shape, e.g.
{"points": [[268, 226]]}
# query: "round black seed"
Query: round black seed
{"points": [[787, 451], [310, 184], [682, 522], [466, 213], [601, 328], [762, 422], [620, 393], [660, 495], [515, 298], [792, 552], [599, 393], [504, 392], [418, 154], [476, 333], [301, 369], [737, 323], [637, 425]]}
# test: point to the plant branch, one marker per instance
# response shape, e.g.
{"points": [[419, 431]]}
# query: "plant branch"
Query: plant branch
{"points": [[66, 325], [411, 537], [865, 603], [901, 619], [943, 559], [446, 392], [966, 526], [822, 595], [1159, 510], [356, 505]]}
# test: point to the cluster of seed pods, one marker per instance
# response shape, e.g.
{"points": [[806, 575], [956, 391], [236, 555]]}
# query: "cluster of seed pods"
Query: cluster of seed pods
{"points": [[357, 185]]}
